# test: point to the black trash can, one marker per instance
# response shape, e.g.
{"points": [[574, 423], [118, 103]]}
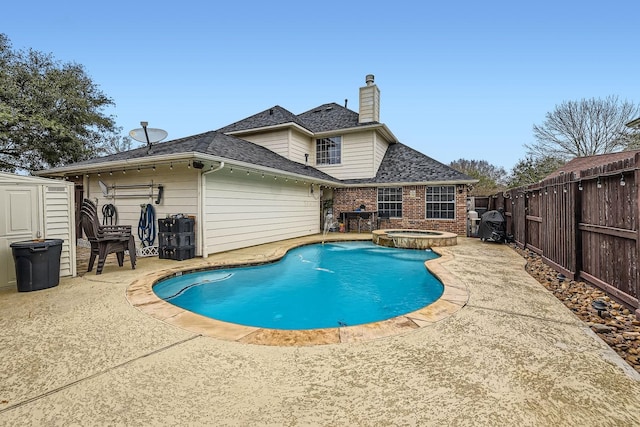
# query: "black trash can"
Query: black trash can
{"points": [[37, 264]]}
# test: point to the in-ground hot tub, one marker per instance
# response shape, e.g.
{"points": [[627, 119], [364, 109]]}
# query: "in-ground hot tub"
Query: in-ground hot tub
{"points": [[414, 239]]}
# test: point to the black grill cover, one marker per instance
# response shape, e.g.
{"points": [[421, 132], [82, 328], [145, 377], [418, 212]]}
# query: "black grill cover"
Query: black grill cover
{"points": [[493, 227]]}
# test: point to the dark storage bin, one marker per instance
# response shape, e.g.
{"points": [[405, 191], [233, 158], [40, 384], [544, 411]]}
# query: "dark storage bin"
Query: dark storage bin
{"points": [[37, 264], [176, 239], [176, 225], [177, 253]]}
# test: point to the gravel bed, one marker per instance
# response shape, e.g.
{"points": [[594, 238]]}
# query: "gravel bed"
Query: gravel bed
{"points": [[617, 325]]}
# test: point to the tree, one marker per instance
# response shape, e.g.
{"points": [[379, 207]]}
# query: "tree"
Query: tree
{"points": [[492, 179], [584, 128], [115, 144], [533, 169], [51, 114]]}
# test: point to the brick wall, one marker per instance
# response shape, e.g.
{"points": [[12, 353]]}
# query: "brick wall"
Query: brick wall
{"points": [[413, 208]]}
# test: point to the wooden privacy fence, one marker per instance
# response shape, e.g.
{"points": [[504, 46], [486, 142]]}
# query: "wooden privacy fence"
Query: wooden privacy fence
{"points": [[584, 224]]}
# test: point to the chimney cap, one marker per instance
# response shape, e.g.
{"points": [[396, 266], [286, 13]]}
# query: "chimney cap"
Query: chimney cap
{"points": [[369, 79]]}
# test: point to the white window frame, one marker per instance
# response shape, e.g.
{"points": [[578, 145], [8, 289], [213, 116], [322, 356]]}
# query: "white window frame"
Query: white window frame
{"points": [[329, 158]]}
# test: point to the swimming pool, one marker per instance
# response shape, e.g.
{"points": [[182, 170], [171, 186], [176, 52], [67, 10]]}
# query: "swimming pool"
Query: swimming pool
{"points": [[314, 286]]}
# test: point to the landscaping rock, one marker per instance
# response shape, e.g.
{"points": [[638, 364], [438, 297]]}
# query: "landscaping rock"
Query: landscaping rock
{"points": [[617, 325]]}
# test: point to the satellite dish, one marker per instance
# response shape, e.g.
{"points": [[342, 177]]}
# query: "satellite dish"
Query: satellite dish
{"points": [[148, 135], [104, 188]]}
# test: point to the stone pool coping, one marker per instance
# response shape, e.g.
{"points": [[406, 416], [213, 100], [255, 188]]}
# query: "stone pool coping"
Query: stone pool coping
{"points": [[141, 296]]}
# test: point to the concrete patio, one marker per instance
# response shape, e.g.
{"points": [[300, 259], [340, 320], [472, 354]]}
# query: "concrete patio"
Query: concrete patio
{"points": [[82, 354]]}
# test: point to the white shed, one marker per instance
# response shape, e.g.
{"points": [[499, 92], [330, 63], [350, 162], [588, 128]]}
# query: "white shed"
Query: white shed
{"points": [[35, 208]]}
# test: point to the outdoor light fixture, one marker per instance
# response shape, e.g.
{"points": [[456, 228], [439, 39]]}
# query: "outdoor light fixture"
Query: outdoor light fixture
{"points": [[138, 168], [231, 170], [189, 165], [262, 175], [599, 184], [98, 174], [171, 165], [110, 173], [622, 183], [153, 168], [600, 306], [124, 172], [579, 185]]}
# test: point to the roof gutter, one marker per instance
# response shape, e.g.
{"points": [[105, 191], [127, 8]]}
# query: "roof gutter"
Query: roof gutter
{"points": [[634, 123], [116, 164], [405, 184], [270, 128], [380, 127], [278, 172], [130, 164]]}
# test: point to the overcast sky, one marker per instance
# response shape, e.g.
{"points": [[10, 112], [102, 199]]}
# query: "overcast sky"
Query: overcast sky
{"points": [[463, 79]]}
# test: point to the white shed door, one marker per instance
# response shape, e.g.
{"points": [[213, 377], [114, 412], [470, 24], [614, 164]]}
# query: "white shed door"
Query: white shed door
{"points": [[20, 219]]}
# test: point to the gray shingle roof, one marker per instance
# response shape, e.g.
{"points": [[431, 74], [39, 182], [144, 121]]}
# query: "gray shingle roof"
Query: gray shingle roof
{"points": [[401, 164], [325, 118], [329, 117], [273, 116], [220, 145], [404, 164]]}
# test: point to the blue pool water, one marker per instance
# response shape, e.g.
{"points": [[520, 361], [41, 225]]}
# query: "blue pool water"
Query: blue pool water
{"points": [[315, 286]]}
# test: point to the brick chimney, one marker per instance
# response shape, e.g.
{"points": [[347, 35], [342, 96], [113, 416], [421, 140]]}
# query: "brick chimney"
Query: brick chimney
{"points": [[369, 102]]}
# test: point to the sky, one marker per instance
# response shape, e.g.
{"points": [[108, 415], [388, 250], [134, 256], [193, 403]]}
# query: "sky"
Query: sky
{"points": [[458, 79]]}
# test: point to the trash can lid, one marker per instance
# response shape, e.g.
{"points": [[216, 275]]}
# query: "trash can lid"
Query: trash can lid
{"points": [[36, 243]]}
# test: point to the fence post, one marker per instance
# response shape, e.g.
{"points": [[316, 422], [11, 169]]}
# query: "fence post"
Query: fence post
{"points": [[577, 219], [636, 181]]}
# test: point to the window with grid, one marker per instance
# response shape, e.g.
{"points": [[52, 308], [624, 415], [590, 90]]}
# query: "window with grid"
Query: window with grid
{"points": [[390, 202], [441, 202], [329, 151]]}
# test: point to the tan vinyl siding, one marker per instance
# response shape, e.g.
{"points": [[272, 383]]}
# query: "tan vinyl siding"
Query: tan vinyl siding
{"points": [[357, 157], [249, 210], [59, 223], [380, 148], [180, 193], [277, 141], [299, 146]]}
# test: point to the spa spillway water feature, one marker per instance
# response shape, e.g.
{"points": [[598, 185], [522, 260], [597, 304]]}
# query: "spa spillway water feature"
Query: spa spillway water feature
{"points": [[414, 239]]}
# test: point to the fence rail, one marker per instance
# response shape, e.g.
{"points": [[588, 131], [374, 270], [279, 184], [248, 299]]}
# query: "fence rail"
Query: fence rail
{"points": [[584, 224]]}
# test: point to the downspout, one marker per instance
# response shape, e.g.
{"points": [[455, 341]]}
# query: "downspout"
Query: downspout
{"points": [[203, 207]]}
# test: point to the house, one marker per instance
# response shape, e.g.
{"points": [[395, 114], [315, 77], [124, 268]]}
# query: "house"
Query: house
{"points": [[275, 175]]}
